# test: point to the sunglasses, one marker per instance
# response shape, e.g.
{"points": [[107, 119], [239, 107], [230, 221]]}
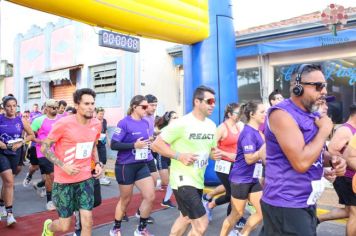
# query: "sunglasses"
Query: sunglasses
{"points": [[144, 107], [318, 85], [209, 101]]}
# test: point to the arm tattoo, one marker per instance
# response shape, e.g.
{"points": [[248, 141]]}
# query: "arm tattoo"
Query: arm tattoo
{"points": [[50, 155]]}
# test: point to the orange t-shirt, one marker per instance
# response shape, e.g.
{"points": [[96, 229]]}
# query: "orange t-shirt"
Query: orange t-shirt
{"points": [[74, 143]]}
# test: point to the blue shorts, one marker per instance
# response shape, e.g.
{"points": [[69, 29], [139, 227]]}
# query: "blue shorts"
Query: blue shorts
{"points": [[127, 174], [9, 161]]}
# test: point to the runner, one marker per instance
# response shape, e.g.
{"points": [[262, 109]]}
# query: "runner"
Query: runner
{"points": [[343, 184], [103, 142], [131, 139], [295, 139], [62, 105], [12, 127], [247, 170], [227, 135], [75, 138], [163, 163], [191, 139], [275, 97], [42, 126]]}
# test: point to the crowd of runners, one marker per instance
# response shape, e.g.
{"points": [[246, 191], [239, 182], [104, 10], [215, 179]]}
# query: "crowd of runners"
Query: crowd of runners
{"points": [[270, 161]]}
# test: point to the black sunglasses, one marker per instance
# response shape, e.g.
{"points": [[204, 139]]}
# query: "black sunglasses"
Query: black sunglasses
{"points": [[318, 85]]}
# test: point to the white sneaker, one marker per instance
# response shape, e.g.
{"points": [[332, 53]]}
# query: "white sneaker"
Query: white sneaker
{"points": [[26, 181], [50, 206], [10, 219], [115, 232], [104, 181], [3, 212]]}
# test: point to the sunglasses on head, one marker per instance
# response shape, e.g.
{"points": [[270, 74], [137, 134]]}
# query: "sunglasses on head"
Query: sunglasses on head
{"points": [[144, 107], [209, 101], [318, 85]]}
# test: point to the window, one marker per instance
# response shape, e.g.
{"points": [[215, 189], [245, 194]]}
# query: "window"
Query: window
{"points": [[249, 85], [33, 89], [104, 78]]}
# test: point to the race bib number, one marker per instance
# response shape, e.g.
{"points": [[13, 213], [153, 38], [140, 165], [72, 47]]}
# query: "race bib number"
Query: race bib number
{"points": [[257, 172], [318, 187], [141, 154], [202, 161], [84, 150], [222, 166]]}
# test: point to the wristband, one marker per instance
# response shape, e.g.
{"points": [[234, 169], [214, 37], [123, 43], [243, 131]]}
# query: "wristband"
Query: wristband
{"points": [[176, 156]]}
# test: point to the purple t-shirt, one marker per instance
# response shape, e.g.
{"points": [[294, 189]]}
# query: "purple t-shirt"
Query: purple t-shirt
{"points": [[34, 115], [250, 141], [151, 130], [10, 129], [284, 186], [128, 131]]}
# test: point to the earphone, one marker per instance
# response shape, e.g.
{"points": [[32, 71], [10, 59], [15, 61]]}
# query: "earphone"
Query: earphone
{"points": [[298, 88]]}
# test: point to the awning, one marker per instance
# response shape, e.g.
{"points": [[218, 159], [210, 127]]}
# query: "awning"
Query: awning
{"points": [[56, 74]]}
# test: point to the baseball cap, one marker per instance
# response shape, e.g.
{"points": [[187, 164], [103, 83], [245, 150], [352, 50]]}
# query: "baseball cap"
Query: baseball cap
{"points": [[51, 103], [151, 98]]}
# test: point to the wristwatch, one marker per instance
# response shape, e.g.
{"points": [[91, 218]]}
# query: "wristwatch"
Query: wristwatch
{"points": [[100, 164]]}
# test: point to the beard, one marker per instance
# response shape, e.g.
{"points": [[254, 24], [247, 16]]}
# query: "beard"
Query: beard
{"points": [[310, 106]]}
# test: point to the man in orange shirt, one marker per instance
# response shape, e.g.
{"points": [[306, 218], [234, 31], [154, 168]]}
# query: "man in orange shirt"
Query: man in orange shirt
{"points": [[75, 139]]}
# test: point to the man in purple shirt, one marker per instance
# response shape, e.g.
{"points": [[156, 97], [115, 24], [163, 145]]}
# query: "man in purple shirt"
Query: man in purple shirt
{"points": [[295, 156]]}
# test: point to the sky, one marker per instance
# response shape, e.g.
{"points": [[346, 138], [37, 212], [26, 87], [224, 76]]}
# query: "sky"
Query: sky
{"points": [[247, 13]]}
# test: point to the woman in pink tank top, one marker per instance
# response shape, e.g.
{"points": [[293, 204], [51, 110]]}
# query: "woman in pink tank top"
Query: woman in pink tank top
{"points": [[227, 136]]}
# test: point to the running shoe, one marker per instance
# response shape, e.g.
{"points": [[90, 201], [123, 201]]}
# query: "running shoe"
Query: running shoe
{"points": [[46, 231], [241, 223], [150, 219], [115, 232], [167, 204], [3, 212], [251, 209], [143, 232], [208, 210], [234, 232], [50, 206], [41, 191], [27, 180], [104, 181], [10, 219], [77, 233]]}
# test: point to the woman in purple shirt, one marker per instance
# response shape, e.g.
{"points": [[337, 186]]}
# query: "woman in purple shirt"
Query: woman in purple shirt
{"points": [[246, 170], [11, 133], [131, 140]]}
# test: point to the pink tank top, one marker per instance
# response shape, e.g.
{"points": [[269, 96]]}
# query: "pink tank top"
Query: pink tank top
{"points": [[229, 143]]}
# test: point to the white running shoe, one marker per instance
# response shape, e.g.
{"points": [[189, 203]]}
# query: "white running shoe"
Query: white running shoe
{"points": [[50, 206], [142, 233], [115, 232], [27, 180], [10, 219], [104, 181]]}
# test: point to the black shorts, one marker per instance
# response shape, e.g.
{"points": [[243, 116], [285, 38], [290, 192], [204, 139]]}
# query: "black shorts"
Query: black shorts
{"points": [[343, 188], [127, 174], [241, 191], [152, 166], [102, 153], [46, 166], [32, 156], [189, 201], [281, 221], [8, 161], [162, 162]]}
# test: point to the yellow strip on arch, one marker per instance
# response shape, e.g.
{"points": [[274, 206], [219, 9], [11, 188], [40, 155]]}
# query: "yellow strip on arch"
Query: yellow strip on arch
{"points": [[180, 21]]}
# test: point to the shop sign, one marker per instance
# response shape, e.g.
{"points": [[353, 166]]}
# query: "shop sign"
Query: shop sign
{"points": [[336, 69], [118, 41]]}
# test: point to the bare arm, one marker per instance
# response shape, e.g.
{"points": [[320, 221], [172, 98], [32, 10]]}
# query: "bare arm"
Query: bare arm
{"points": [[29, 132], [340, 138], [291, 140], [254, 157], [46, 150], [350, 153]]}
